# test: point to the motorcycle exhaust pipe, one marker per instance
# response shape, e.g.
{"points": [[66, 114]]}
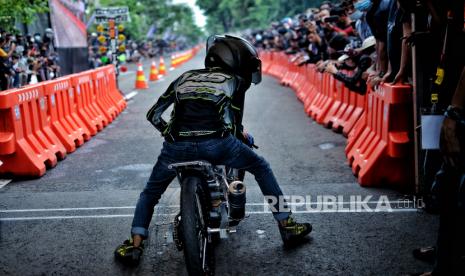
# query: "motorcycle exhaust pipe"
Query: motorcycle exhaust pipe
{"points": [[236, 196]]}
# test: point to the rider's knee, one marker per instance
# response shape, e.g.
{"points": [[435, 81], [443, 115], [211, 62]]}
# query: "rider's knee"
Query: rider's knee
{"points": [[260, 167], [152, 191]]}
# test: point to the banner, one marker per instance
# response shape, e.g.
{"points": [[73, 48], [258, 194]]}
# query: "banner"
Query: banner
{"points": [[70, 34]]}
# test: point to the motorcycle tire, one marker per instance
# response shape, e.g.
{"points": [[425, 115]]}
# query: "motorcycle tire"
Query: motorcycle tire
{"points": [[194, 228]]}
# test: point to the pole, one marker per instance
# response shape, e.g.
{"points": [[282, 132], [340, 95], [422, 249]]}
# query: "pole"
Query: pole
{"points": [[416, 113]]}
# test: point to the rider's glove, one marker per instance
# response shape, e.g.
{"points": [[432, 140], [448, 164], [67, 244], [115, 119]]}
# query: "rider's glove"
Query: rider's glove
{"points": [[249, 140]]}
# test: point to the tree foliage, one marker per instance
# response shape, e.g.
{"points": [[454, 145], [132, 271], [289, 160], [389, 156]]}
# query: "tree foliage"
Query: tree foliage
{"points": [[232, 15], [24, 11]]}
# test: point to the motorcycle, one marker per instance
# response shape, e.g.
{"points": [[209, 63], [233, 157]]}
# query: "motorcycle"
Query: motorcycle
{"points": [[212, 205]]}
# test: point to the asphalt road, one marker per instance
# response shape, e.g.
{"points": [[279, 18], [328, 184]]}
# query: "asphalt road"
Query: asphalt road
{"points": [[69, 221]]}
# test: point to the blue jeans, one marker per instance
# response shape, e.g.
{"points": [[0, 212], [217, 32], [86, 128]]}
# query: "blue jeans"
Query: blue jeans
{"points": [[227, 151]]}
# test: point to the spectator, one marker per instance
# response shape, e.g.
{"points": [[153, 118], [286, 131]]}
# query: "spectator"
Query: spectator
{"points": [[448, 255], [317, 49], [377, 19], [6, 50], [361, 25], [397, 48], [26, 59], [363, 60], [17, 71], [343, 23]]}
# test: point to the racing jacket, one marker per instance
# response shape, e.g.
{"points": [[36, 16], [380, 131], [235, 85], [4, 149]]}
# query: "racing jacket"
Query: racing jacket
{"points": [[207, 102]]}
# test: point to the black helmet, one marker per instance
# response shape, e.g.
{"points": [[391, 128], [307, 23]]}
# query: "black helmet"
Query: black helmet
{"points": [[234, 54]]}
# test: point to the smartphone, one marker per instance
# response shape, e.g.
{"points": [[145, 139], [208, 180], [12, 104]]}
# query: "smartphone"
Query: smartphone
{"points": [[331, 19]]}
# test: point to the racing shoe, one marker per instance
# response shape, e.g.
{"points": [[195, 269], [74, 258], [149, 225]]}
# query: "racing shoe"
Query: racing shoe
{"points": [[128, 254], [292, 232]]}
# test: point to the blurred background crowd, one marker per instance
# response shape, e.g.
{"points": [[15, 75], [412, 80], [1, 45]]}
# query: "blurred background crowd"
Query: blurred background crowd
{"points": [[26, 59], [362, 36], [44, 39]]}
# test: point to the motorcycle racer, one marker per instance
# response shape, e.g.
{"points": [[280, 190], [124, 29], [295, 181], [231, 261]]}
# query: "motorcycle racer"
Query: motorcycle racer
{"points": [[206, 124]]}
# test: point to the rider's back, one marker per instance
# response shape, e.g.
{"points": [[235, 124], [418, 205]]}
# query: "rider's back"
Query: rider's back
{"points": [[203, 102]]}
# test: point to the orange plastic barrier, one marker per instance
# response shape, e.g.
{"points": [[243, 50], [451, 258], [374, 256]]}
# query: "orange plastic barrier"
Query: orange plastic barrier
{"points": [[272, 66], [378, 125], [290, 74], [308, 92], [27, 143], [88, 110], [62, 113], [279, 65], [324, 98], [380, 148], [114, 92], [338, 104], [102, 91], [266, 59], [40, 124], [300, 83], [313, 94], [350, 112]]}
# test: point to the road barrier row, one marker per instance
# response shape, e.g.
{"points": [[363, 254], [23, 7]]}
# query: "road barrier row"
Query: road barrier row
{"points": [[177, 59], [379, 124], [40, 124]]}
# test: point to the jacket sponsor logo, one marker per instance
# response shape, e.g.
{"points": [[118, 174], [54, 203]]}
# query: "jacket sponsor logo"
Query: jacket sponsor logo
{"points": [[209, 77]]}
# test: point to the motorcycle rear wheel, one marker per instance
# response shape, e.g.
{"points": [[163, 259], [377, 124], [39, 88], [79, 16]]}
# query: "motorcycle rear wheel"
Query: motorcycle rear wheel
{"points": [[198, 251]]}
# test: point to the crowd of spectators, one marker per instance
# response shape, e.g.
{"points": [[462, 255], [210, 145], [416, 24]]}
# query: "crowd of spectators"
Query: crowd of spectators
{"points": [[367, 42], [26, 59], [363, 36]]}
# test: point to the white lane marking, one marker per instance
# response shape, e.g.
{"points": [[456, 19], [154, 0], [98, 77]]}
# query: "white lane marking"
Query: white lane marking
{"points": [[342, 211], [130, 95], [177, 206], [74, 217], [4, 182], [174, 214], [64, 209], [337, 203]]}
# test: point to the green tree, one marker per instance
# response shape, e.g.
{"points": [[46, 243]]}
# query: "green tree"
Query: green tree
{"points": [[233, 15], [181, 21], [24, 11]]}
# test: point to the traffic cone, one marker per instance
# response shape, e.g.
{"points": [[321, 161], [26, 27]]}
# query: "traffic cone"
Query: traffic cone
{"points": [[173, 62], [153, 72], [141, 83], [162, 67]]}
